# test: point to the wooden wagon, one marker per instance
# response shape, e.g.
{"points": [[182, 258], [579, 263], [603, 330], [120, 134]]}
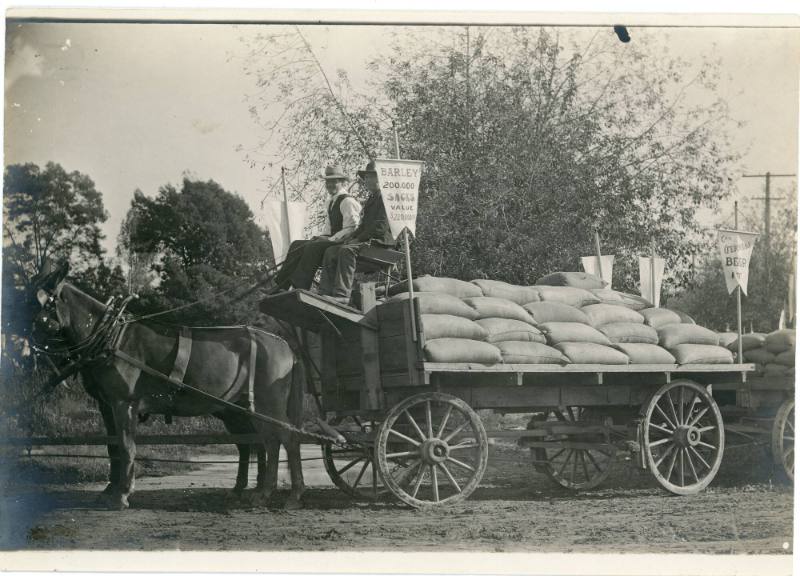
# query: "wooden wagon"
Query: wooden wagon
{"points": [[412, 428]]}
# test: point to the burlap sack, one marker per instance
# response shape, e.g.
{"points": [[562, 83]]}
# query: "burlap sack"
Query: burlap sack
{"points": [[749, 342], [591, 353], [701, 354], [447, 326], [602, 314], [461, 350], [646, 353], [440, 284], [542, 312], [607, 296], [514, 352], [786, 358], [673, 334], [505, 329], [491, 307], [775, 370], [517, 294], [727, 338], [659, 317], [634, 301], [574, 279], [685, 318], [759, 356], [558, 332], [628, 333], [435, 303], [780, 341], [576, 297]]}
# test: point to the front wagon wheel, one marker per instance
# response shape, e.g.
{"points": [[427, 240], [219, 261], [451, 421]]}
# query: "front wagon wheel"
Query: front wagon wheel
{"points": [[683, 437], [432, 449]]}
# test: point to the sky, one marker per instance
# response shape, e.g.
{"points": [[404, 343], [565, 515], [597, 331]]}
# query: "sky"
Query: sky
{"points": [[140, 105]]}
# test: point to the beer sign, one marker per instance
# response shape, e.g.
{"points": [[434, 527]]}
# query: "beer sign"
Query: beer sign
{"points": [[735, 248], [399, 183]]}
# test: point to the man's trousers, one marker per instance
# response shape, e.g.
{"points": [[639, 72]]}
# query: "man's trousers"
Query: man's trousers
{"points": [[302, 261]]}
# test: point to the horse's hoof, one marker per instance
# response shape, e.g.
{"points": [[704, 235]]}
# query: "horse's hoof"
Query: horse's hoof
{"points": [[293, 504], [122, 503]]}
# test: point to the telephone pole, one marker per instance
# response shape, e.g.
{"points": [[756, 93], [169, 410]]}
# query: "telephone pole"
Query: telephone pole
{"points": [[767, 225]]}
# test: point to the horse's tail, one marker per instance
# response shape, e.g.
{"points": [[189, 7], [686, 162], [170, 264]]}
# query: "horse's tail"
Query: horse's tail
{"points": [[296, 396]]}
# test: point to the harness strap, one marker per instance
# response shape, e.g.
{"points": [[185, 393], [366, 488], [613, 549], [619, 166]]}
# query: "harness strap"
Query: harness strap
{"points": [[251, 373], [184, 352]]}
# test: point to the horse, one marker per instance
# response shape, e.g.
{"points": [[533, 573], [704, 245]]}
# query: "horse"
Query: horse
{"points": [[133, 381]]}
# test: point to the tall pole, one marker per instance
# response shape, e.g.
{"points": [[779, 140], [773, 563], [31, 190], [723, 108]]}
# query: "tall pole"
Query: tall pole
{"points": [[286, 205], [740, 355], [653, 272], [599, 258]]}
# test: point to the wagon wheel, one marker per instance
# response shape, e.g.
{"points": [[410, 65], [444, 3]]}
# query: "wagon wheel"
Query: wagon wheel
{"points": [[352, 467], [783, 439], [432, 449], [683, 437], [576, 468]]}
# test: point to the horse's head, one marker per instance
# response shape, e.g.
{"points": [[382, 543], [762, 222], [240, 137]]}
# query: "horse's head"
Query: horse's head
{"points": [[53, 315]]}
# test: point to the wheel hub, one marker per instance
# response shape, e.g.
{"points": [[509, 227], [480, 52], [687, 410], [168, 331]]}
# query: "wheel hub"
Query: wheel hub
{"points": [[686, 436], [434, 451]]}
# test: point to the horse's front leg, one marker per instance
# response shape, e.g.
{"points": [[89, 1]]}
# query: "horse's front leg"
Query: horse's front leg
{"points": [[125, 412], [268, 482], [291, 442], [107, 412]]}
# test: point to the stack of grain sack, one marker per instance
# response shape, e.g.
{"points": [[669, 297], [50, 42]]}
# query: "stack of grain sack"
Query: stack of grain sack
{"points": [[773, 353], [567, 317]]}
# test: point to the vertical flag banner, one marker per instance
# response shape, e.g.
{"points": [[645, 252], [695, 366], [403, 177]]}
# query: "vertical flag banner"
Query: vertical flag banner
{"points": [[286, 222], [645, 277], [590, 267], [399, 182], [735, 248]]}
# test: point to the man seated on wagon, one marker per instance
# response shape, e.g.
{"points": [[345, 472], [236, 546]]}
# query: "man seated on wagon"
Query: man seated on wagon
{"points": [[339, 260], [305, 256]]}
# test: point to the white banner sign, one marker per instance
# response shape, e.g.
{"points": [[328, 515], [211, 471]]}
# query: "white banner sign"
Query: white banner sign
{"points": [[285, 224], [590, 267], [645, 278], [735, 248], [399, 182]]}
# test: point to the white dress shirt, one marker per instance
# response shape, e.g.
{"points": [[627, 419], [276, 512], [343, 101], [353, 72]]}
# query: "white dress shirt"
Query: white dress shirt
{"points": [[351, 216]]}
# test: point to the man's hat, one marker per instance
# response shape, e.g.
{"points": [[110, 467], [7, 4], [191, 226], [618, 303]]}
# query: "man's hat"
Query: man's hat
{"points": [[334, 173], [369, 169]]}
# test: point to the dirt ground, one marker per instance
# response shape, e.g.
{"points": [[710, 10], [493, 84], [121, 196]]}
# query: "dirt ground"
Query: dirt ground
{"points": [[745, 511]]}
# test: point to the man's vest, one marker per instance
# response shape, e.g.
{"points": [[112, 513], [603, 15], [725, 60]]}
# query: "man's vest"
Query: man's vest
{"points": [[335, 215]]}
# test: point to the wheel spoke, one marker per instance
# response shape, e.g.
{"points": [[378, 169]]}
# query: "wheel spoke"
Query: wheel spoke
{"points": [[564, 465], [554, 456], [697, 418], [672, 408], [788, 438], [360, 474], [394, 455], [664, 416], [680, 406], [672, 464], [665, 455], [460, 463], [592, 460], [707, 445], [705, 429], [574, 467], [414, 424], [456, 431], [435, 483], [418, 481], [443, 425], [449, 476], [404, 437], [406, 474], [583, 464], [660, 442], [463, 446], [350, 465], [691, 465], [429, 418], [700, 457], [682, 467], [660, 428]]}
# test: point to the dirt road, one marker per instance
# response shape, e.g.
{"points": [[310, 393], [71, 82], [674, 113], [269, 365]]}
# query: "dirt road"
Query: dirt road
{"points": [[515, 509]]}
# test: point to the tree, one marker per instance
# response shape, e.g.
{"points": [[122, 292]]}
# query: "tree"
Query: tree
{"points": [[49, 214], [203, 244], [530, 141]]}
